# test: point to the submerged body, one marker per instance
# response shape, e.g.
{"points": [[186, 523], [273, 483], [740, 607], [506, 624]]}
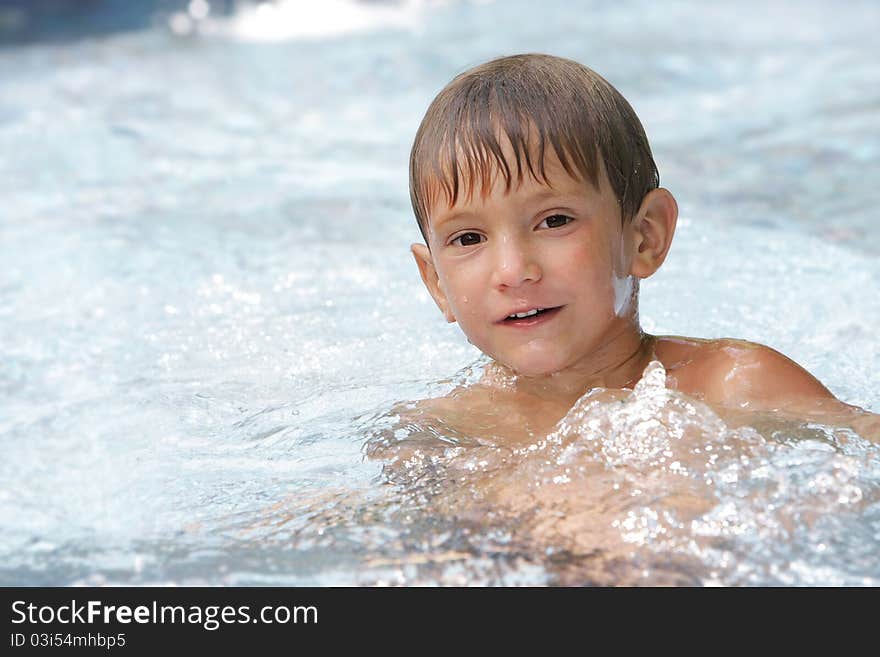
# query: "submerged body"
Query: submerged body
{"points": [[658, 482]]}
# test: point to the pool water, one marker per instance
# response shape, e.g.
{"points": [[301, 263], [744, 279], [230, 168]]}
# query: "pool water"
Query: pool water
{"points": [[208, 311]]}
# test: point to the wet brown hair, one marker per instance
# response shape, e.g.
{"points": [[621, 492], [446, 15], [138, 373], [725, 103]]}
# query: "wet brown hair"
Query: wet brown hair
{"points": [[531, 100]]}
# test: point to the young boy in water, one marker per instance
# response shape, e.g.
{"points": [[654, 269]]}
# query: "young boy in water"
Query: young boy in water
{"points": [[535, 190]]}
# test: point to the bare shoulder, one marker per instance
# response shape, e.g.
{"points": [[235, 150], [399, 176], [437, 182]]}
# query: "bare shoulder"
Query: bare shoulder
{"points": [[732, 372], [448, 407], [450, 414], [488, 415], [414, 431]]}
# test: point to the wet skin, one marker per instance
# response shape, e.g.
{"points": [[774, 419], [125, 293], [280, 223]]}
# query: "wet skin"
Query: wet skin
{"points": [[720, 373], [560, 246]]}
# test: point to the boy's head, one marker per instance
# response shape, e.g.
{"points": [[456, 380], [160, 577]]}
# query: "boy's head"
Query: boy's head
{"points": [[534, 103], [535, 189]]}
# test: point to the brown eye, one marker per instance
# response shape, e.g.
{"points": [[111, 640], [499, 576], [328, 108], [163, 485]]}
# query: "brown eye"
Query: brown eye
{"points": [[556, 221], [468, 239]]}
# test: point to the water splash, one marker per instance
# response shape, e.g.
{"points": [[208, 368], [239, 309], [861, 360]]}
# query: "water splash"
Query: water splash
{"points": [[649, 486]]}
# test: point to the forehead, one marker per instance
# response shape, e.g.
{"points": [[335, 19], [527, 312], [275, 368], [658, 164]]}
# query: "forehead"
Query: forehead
{"points": [[544, 176]]}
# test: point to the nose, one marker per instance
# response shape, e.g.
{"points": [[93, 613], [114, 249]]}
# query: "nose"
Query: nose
{"points": [[515, 263]]}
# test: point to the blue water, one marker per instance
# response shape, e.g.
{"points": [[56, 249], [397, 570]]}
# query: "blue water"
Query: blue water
{"points": [[208, 307]]}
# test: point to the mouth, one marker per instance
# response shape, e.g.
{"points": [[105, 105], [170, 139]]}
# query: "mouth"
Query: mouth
{"points": [[530, 317]]}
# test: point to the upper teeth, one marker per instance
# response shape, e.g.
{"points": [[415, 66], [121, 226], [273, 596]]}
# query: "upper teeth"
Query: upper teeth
{"points": [[525, 314]]}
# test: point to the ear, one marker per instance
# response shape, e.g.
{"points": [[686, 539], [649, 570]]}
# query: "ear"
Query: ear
{"points": [[653, 227], [425, 262]]}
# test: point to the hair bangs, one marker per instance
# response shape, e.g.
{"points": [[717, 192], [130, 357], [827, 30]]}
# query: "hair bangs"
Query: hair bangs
{"points": [[501, 118], [492, 139]]}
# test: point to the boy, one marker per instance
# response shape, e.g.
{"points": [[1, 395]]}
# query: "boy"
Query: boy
{"points": [[535, 190]]}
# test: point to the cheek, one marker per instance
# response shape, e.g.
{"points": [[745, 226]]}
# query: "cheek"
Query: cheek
{"points": [[461, 293], [583, 264], [590, 272]]}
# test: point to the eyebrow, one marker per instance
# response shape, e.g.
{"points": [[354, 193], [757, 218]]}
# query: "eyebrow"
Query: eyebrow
{"points": [[450, 218]]}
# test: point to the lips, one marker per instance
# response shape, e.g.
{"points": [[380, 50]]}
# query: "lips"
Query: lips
{"points": [[529, 316], [528, 313]]}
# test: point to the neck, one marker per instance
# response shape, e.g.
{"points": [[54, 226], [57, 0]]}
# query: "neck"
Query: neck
{"points": [[618, 364]]}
